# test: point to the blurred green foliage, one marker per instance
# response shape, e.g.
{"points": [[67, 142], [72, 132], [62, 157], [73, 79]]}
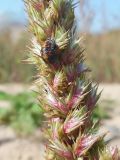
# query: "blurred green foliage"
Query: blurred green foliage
{"points": [[100, 113], [24, 115]]}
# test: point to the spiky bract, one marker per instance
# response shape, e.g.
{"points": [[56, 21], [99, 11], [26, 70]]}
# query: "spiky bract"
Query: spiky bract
{"points": [[64, 92]]}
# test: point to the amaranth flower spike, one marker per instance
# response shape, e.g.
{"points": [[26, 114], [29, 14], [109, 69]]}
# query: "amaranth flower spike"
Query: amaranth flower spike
{"points": [[66, 95]]}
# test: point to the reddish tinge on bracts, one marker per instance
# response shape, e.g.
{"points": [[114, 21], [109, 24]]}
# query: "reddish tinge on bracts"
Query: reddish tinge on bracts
{"points": [[66, 94]]}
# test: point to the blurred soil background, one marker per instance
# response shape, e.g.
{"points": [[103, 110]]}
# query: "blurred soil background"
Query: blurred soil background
{"points": [[21, 118]]}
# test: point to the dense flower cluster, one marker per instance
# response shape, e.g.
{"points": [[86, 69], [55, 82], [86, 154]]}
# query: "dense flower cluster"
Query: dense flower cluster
{"points": [[67, 96]]}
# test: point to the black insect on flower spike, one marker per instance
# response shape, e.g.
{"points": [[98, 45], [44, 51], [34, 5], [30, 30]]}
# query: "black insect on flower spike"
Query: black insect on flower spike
{"points": [[50, 49]]}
